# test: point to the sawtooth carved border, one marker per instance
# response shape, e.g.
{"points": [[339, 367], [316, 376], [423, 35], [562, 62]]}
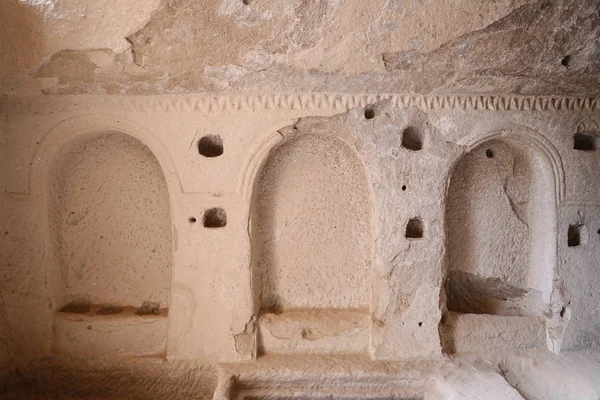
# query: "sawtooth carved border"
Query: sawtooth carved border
{"points": [[206, 103]]}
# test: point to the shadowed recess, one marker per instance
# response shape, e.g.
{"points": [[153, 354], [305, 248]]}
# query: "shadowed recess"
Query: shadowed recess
{"points": [[412, 138], [110, 222], [584, 141], [110, 310], [469, 293], [310, 226], [414, 228], [214, 218], [500, 230], [76, 307], [210, 146]]}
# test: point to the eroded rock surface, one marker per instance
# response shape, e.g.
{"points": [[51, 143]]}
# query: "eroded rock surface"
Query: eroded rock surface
{"points": [[185, 46], [304, 199]]}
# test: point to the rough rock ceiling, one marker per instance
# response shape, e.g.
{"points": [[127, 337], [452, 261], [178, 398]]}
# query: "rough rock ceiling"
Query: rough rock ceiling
{"points": [[186, 46]]}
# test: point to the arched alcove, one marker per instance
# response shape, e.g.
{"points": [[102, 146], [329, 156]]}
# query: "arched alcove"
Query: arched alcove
{"points": [[311, 238], [110, 215], [110, 223], [501, 230]]}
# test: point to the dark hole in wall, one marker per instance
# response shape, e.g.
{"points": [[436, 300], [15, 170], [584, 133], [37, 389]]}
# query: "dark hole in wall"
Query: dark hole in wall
{"points": [[574, 235], [412, 139], [369, 113], [148, 308], [584, 141], [76, 307], [214, 218], [473, 294], [110, 310], [489, 153], [210, 146], [414, 229], [192, 219], [566, 60]]}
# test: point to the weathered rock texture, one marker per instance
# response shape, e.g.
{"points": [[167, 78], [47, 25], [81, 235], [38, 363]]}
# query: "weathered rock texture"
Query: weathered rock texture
{"points": [[455, 208], [110, 208], [501, 240], [185, 46], [312, 227], [250, 199]]}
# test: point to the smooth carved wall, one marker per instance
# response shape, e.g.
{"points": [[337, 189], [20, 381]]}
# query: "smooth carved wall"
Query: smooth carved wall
{"points": [[311, 232], [501, 219], [110, 222]]}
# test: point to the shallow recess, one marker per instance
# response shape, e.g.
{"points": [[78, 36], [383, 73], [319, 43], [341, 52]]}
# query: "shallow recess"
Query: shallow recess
{"points": [[76, 308], [577, 235], [584, 141], [110, 310], [311, 233], [500, 231], [108, 331], [107, 253], [210, 146], [412, 139], [214, 218], [414, 228], [111, 227], [148, 308], [310, 219], [501, 246], [573, 236]]}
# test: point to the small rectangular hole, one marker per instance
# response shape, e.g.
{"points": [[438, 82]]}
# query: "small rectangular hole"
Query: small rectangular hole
{"points": [[148, 308], [76, 307], [577, 235], [585, 141], [110, 310], [574, 236]]}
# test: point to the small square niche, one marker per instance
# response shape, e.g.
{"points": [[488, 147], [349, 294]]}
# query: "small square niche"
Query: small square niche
{"points": [[577, 235], [584, 141], [414, 229], [214, 218]]}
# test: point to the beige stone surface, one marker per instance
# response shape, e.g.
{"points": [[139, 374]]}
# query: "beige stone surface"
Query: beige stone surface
{"points": [[309, 199], [481, 333], [109, 208], [500, 228], [185, 46], [409, 149], [121, 332], [40, 29], [314, 332], [311, 227]]}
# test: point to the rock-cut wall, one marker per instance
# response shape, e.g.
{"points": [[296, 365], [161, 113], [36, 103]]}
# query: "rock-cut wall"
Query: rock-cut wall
{"points": [[266, 231]]}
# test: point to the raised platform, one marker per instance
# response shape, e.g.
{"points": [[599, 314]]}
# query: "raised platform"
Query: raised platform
{"points": [[471, 333], [124, 333], [331, 376], [314, 331]]}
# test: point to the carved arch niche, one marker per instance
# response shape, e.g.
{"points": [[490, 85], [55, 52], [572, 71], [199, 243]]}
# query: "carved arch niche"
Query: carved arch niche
{"points": [[110, 225], [501, 211], [311, 247]]}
